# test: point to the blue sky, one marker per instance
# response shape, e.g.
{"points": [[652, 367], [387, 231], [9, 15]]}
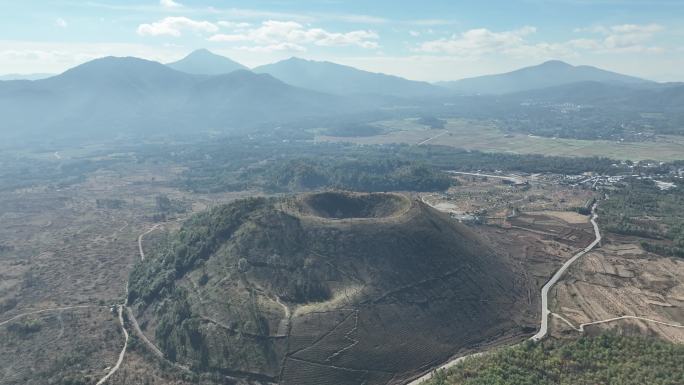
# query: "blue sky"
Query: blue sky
{"points": [[426, 40]]}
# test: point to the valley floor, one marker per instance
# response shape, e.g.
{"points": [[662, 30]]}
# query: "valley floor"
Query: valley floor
{"points": [[68, 250]]}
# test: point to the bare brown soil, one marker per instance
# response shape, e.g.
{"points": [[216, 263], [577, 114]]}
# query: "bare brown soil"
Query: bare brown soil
{"points": [[342, 205], [621, 279], [61, 248], [79, 344]]}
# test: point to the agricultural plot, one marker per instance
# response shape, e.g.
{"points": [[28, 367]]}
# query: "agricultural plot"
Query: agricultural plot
{"points": [[487, 137]]}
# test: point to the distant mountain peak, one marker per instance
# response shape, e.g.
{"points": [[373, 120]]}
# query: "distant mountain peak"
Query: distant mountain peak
{"points": [[548, 74], [555, 63], [204, 62], [202, 52], [340, 79]]}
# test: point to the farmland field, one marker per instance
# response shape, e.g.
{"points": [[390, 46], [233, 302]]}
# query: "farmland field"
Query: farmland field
{"points": [[487, 137]]}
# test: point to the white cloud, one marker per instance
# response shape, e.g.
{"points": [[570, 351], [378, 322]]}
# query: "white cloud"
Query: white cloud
{"points": [[285, 35], [619, 38], [173, 26], [170, 4], [234, 25], [61, 23], [480, 41], [290, 47], [475, 43], [414, 33], [53, 57]]}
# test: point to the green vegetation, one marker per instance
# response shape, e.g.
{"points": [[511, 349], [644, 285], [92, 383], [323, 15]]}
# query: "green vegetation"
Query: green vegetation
{"points": [[197, 240], [213, 294], [432, 122], [638, 207], [276, 164], [24, 328], [606, 359], [379, 175]]}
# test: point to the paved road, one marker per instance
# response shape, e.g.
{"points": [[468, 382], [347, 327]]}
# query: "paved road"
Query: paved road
{"points": [[448, 365], [545, 291], [543, 330]]}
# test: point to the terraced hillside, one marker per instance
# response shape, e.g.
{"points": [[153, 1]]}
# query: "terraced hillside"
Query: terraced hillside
{"points": [[329, 288]]}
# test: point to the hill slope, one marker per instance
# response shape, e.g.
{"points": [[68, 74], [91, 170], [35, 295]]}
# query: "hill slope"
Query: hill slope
{"points": [[204, 62], [344, 80], [548, 74], [327, 288]]}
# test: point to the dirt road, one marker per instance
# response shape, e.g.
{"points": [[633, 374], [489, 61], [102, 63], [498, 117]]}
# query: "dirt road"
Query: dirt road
{"points": [[123, 351], [45, 311], [140, 239]]}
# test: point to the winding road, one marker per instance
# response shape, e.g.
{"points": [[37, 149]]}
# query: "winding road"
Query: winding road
{"points": [[446, 366], [123, 351], [136, 327], [543, 330], [140, 239]]}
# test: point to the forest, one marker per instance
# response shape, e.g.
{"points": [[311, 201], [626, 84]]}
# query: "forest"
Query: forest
{"points": [[605, 359], [275, 164], [639, 208]]}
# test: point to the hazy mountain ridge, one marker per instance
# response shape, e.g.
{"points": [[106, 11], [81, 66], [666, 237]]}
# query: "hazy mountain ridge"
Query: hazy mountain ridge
{"points": [[344, 80], [111, 94], [204, 62], [548, 74]]}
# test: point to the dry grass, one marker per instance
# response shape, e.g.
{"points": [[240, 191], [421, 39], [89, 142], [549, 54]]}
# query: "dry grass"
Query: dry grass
{"points": [[621, 279]]}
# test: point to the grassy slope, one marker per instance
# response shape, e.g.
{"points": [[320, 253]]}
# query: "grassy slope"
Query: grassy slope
{"points": [[606, 359]]}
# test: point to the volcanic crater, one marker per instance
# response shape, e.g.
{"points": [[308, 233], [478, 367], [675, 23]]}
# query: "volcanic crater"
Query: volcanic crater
{"points": [[327, 288]]}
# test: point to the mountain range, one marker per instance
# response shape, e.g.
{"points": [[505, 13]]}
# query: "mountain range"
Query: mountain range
{"points": [[115, 95], [549, 74], [208, 92], [344, 80]]}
